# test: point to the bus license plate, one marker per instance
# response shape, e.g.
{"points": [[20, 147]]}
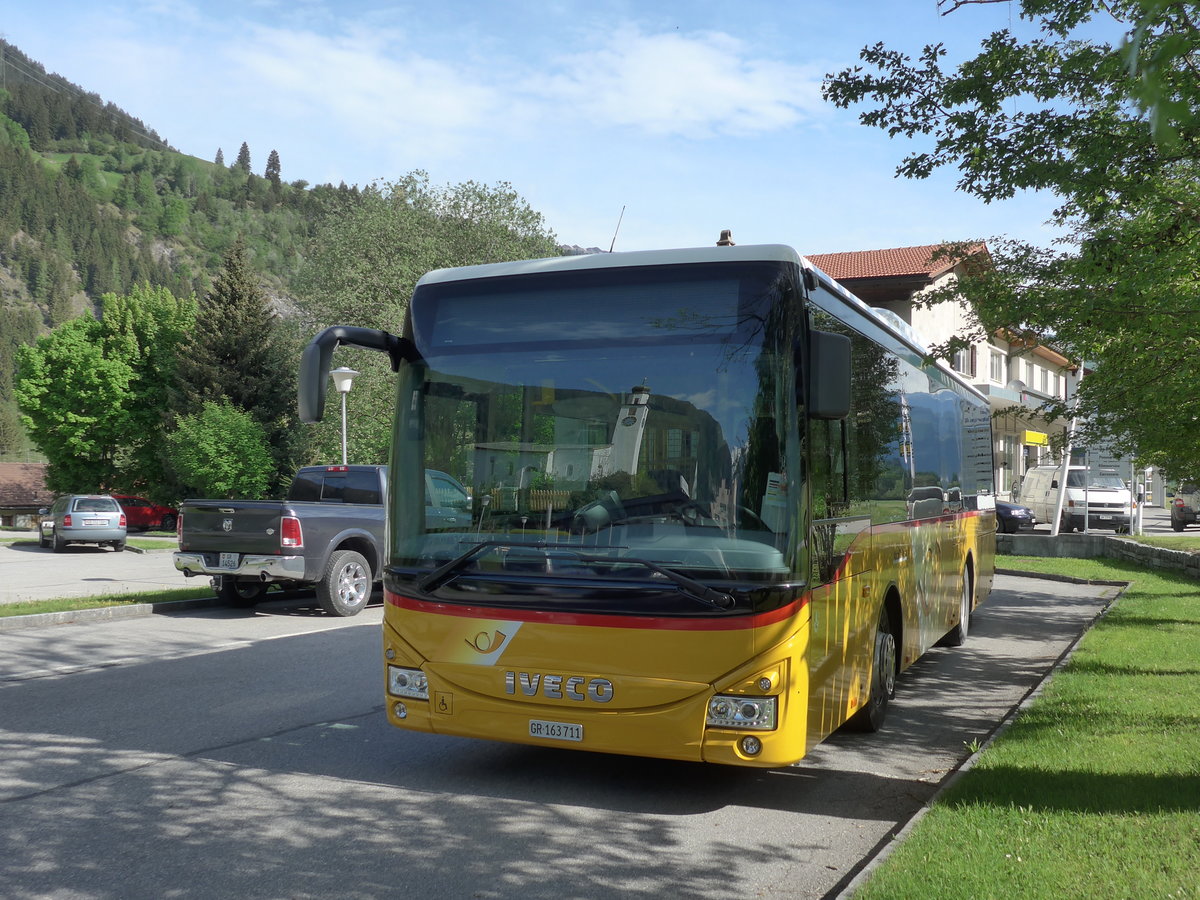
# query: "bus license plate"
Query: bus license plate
{"points": [[555, 731], [229, 560]]}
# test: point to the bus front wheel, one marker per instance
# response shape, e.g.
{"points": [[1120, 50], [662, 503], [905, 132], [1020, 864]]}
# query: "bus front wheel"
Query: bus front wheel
{"points": [[883, 678]]}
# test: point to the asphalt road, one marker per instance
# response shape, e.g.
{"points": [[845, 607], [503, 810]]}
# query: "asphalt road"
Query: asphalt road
{"points": [[28, 572], [223, 753]]}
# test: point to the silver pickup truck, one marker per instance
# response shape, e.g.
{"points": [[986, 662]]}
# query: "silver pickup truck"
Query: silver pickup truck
{"points": [[327, 533]]}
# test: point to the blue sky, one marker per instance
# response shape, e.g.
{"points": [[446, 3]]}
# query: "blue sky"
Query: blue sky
{"points": [[693, 116]]}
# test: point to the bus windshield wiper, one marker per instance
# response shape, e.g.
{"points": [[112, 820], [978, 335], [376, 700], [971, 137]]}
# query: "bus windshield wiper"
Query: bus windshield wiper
{"points": [[447, 570], [694, 589]]}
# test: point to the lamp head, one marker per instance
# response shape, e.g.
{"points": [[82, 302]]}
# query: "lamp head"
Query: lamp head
{"points": [[342, 379]]}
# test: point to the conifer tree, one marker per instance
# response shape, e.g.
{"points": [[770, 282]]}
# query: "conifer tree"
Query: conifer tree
{"points": [[272, 172], [243, 158], [220, 159], [235, 355]]}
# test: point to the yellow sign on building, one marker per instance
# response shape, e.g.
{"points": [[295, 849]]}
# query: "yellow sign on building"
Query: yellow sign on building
{"points": [[1035, 438]]}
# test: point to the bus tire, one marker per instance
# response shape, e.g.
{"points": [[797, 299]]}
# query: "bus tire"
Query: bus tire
{"points": [[345, 587], [957, 636], [883, 678]]}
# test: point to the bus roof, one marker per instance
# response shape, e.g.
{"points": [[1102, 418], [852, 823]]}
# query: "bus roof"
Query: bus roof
{"points": [[580, 262]]}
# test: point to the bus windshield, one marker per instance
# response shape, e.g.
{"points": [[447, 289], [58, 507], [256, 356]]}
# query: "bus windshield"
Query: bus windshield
{"points": [[603, 434]]}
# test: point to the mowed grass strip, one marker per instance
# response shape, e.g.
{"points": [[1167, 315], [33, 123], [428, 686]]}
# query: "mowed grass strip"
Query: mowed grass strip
{"points": [[1094, 790], [71, 604]]}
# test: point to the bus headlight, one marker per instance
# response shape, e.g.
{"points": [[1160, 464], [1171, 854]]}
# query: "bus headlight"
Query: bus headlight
{"points": [[410, 683], [731, 711]]}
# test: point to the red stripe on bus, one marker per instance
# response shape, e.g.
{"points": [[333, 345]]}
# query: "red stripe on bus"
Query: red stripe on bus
{"points": [[595, 620]]}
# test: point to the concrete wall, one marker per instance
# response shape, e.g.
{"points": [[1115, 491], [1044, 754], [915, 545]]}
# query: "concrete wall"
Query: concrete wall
{"points": [[1090, 546]]}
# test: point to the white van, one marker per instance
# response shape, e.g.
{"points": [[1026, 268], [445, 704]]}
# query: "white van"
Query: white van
{"points": [[1105, 498]]}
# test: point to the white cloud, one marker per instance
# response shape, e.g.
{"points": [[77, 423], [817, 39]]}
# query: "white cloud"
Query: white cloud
{"points": [[694, 85], [365, 85]]}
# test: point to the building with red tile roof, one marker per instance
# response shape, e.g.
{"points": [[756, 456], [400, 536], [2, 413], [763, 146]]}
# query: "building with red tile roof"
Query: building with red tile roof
{"points": [[22, 491]]}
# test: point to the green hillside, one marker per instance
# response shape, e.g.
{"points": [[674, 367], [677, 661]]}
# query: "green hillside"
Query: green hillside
{"points": [[156, 275], [93, 201]]}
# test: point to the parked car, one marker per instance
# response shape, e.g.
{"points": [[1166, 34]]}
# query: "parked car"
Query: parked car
{"points": [[83, 519], [144, 515], [1184, 506], [1014, 517]]}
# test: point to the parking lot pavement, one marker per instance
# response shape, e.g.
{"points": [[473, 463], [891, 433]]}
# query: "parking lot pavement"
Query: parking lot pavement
{"points": [[28, 572]]}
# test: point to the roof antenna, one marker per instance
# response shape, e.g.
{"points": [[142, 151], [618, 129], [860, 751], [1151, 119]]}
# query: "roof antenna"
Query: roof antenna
{"points": [[614, 240], [726, 238]]}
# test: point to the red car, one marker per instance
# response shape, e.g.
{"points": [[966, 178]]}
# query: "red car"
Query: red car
{"points": [[144, 515]]}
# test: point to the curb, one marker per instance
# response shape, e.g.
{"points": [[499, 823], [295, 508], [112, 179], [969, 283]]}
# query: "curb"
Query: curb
{"points": [[889, 843], [104, 613]]}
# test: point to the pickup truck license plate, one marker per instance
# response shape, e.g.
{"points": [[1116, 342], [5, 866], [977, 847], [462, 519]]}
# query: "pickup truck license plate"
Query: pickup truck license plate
{"points": [[555, 731], [229, 561]]}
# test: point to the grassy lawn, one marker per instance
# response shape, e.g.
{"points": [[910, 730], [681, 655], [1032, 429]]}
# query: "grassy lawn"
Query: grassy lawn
{"points": [[1189, 542], [71, 604], [140, 542], [1094, 790]]}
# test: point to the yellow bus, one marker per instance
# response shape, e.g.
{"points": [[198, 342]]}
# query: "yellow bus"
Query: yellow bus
{"points": [[715, 504]]}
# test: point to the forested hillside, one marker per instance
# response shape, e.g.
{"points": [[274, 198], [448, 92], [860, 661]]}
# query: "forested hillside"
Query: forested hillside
{"points": [[147, 297]]}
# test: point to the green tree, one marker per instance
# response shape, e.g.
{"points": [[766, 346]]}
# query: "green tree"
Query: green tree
{"points": [[272, 170], [236, 354], [1061, 113], [243, 158], [146, 327], [93, 393], [71, 394], [221, 451], [366, 258]]}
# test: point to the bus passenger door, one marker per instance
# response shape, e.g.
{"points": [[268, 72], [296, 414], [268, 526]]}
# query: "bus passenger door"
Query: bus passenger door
{"points": [[839, 539]]}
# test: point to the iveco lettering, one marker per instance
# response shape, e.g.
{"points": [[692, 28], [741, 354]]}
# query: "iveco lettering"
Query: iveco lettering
{"points": [[714, 504]]}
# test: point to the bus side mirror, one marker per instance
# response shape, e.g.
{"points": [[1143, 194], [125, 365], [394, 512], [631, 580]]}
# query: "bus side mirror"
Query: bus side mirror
{"points": [[315, 361], [828, 375]]}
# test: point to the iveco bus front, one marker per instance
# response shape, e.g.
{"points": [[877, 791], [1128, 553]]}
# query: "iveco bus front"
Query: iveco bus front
{"points": [[636, 574]]}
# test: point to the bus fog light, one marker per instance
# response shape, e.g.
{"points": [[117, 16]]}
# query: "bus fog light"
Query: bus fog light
{"points": [[410, 683], [400, 710], [751, 746], [758, 713]]}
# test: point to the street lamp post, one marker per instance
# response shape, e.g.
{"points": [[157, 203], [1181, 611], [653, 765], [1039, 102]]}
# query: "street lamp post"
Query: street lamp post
{"points": [[343, 378]]}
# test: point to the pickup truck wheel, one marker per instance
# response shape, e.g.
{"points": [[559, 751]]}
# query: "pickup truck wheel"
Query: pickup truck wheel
{"points": [[345, 587], [239, 593]]}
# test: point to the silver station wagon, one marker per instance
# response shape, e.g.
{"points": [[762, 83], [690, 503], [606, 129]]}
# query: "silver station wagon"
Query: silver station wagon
{"points": [[83, 519]]}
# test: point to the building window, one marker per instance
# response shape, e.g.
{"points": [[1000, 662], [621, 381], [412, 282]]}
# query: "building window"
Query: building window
{"points": [[964, 361], [997, 367], [1045, 381]]}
